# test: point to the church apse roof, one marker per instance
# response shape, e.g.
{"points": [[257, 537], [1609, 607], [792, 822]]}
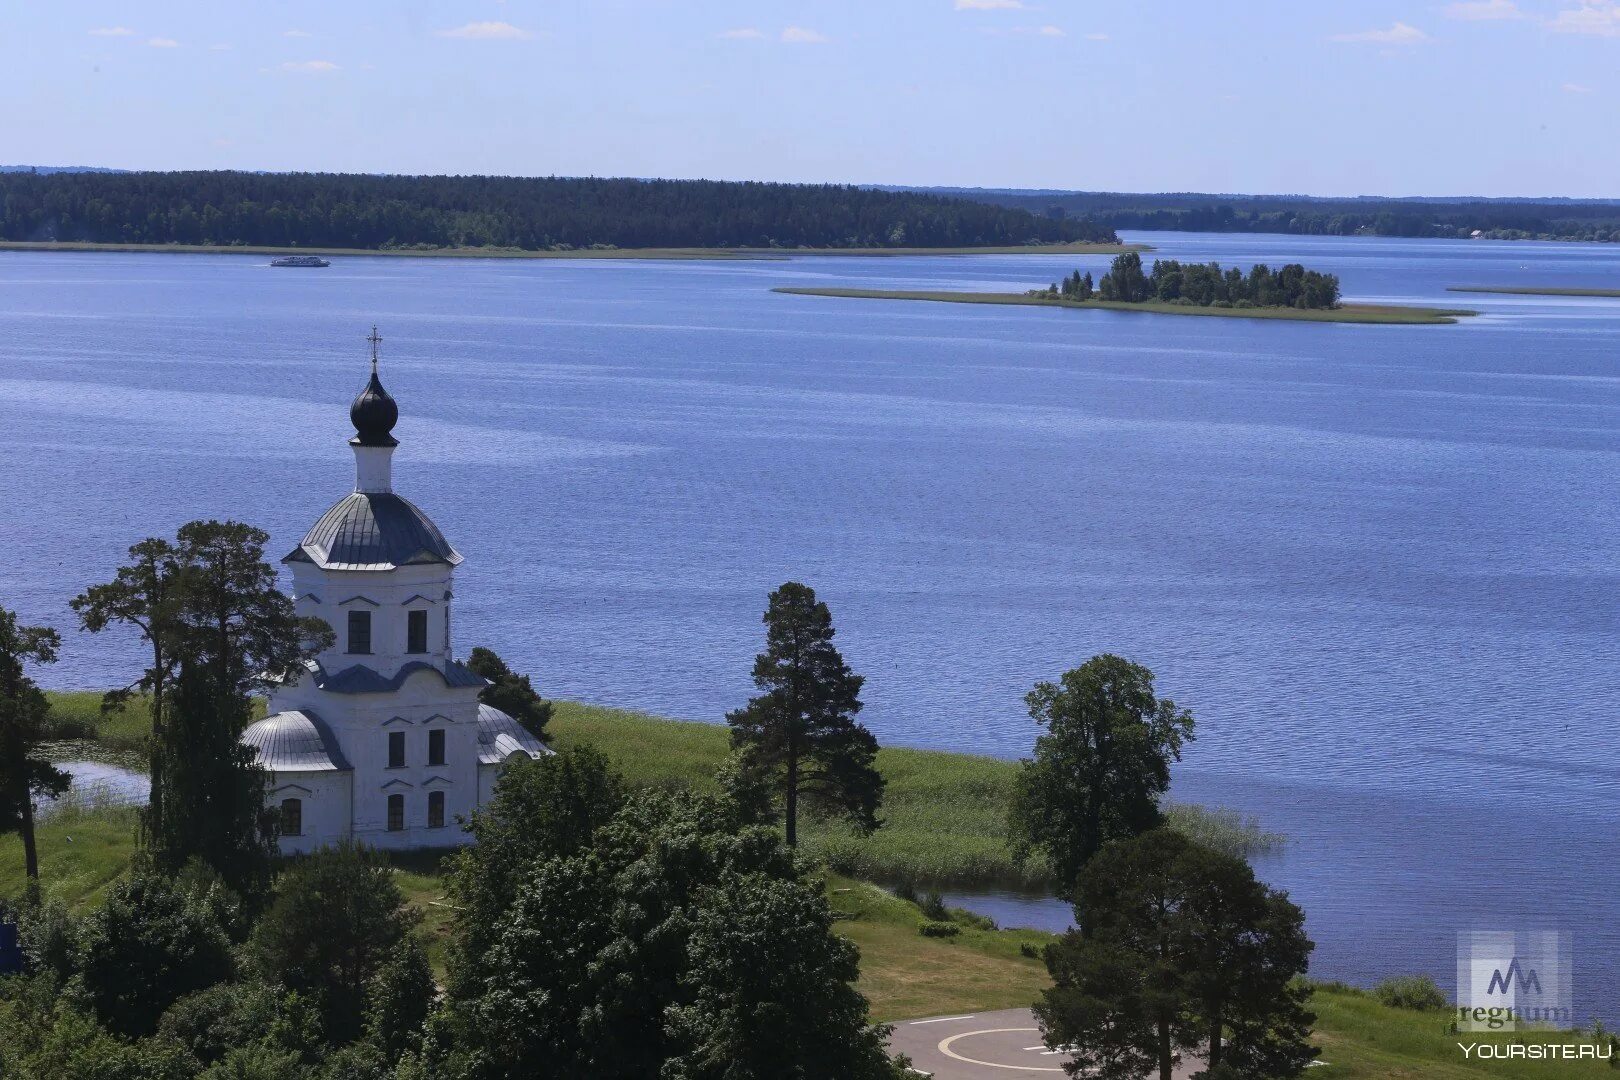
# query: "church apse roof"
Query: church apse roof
{"points": [[373, 531], [500, 736], [296, 741]]}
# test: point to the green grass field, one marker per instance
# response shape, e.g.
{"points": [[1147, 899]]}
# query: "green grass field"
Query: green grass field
{"points": [[1344, 313], [722, 254], [76, 714], [1530, 290], [944, 814]]}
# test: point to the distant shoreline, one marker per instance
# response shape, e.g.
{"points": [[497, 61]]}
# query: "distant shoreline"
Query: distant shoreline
{"points": [[715, 254], [1532, 290], [1395, 314]]}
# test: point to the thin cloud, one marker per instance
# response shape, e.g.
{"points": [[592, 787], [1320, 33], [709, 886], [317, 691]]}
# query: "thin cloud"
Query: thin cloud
{"points": [[742, 33], [311, 66], [1398, 34], [1576, 88], [487, 31], [1097, 37], [1599, 17], [112, 31], [989, 5], [1051, 31], [163, 43], [296, 33], [1484, 10], [798, 35]]}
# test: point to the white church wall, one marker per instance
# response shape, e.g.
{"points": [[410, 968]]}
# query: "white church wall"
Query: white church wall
{"points": [[388, 596], [324, 799]]}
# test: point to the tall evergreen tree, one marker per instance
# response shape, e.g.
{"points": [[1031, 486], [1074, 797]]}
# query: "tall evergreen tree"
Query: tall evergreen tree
{"points": [[146, 594], [218, 628], [800, 732], [214, 789], [24, 775], [237, 621], [1100, 767]]}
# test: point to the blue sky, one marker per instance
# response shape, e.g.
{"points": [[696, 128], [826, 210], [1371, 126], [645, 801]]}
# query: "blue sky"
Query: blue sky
{"points": [[1493, 97]]}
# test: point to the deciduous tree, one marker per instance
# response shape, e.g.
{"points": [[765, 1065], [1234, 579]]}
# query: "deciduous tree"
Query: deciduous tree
{"points": [[1100, 767], [676, 943], [335, 922], [545, 809], [1185, 951], [148, 945], [511, 693]]}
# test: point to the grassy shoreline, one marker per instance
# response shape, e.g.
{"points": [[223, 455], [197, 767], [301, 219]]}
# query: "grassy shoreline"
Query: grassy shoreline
{"points": [[945, 813], [719, 254], [1532, 290], [1345, 313]]}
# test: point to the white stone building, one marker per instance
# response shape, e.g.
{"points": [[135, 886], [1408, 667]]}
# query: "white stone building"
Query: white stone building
{"points": [[383, 741]]}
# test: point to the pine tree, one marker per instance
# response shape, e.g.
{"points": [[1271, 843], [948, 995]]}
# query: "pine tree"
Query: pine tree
{"points": [[800, 732], [24, 775], [144, 594]]}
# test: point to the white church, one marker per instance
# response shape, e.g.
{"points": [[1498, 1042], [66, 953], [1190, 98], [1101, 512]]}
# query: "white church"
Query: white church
{"points": [[383, 740]]}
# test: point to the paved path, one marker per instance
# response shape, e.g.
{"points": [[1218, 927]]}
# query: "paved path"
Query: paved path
{"points": [[1001, 1045]]}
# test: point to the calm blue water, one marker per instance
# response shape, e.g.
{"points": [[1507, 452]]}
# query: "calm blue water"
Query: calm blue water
{"points": [[1377, 562]]}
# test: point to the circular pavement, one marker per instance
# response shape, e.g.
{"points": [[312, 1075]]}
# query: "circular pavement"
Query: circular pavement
{"points": [[1001, 1045]]}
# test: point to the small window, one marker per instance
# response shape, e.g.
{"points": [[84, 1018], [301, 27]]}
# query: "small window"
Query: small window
{"points": [[360, 631], [416, 631], [435, 809], [396, 813], [396, 749], [436, 747], [292, 817]]}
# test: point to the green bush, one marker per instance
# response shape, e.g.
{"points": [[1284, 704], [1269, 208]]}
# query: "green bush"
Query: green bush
{"points": [[939, 929], [1410, 992]]}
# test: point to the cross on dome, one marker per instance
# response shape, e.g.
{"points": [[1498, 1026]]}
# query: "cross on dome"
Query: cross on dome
{"points": [[374, 412]]}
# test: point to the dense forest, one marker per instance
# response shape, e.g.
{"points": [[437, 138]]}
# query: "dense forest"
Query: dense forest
{"points": [[1202, 285], [528, 213], [1495, 219]]}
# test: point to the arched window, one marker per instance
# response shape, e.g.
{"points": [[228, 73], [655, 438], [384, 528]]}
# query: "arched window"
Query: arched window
{"points": [[292, 817], [435, 809], [396, 813]]}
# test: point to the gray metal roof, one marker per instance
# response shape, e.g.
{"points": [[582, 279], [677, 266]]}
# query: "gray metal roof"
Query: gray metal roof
{"points": [[295, 742], [359, 679], [500, 736], [373, 531]]}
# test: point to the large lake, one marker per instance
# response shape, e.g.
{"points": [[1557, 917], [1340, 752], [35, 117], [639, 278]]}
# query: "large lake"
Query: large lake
{"points": [[1377, 562]]}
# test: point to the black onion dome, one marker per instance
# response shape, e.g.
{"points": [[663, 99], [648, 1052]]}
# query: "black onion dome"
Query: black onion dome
{"points": [[374, 414]]}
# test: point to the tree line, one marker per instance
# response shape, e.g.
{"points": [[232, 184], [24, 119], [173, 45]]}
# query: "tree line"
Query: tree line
{"points": [[596, 930], [525, 213], [1505, 219], [1201, 285]]}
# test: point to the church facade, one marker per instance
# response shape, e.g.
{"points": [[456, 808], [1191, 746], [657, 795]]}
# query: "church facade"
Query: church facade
{"points": [[382, 740]]}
